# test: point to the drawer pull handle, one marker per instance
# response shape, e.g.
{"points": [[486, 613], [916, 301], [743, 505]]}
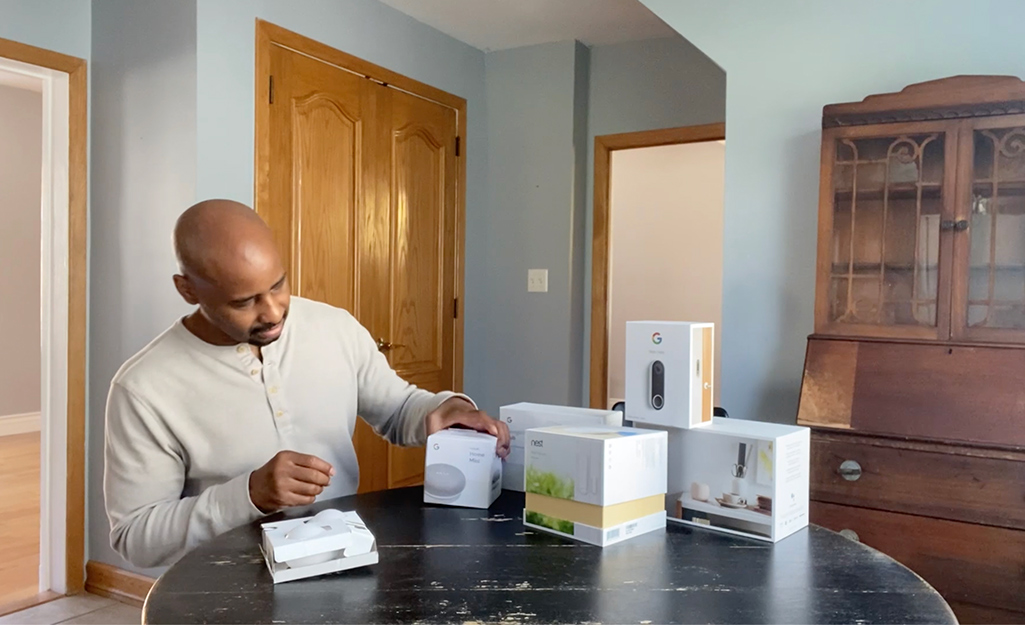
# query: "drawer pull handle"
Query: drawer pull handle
{"points": [[850, 470], [851, 534]]}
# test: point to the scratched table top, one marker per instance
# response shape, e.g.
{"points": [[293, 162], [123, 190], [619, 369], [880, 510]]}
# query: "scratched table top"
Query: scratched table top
{"points": [[444, 565]]}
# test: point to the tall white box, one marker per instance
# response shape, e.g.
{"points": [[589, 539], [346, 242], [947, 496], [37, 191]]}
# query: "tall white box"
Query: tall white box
{"points": [[669, 373], [597, 484], [462, 469], [525, 415], [740, 477]]}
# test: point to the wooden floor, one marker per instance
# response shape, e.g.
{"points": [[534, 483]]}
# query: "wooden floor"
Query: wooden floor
{"points": [[19, 510]]}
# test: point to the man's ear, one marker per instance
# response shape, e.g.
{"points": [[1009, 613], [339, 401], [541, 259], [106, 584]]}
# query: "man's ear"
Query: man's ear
{"points": [[186, 289]]}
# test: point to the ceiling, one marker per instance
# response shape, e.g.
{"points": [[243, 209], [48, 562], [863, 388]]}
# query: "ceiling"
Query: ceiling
{"points": [[502, 24]]}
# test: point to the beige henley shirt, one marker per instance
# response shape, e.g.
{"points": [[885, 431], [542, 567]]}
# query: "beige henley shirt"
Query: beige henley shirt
{"points": [[187, 422]]}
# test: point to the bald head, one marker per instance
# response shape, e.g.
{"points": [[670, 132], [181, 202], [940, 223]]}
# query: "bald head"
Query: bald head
{"points": [[215, 237], [231, 268]]}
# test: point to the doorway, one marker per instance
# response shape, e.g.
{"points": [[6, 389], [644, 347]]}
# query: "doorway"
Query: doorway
{"points": [[21, 171], [359, 174], [657, 245], [43, 121]]}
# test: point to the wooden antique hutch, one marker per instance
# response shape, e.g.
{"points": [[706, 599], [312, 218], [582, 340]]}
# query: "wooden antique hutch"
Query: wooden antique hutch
{"points": [[914, 380]]}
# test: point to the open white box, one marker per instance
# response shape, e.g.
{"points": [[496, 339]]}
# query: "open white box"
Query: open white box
{"points": [[329, 542]]}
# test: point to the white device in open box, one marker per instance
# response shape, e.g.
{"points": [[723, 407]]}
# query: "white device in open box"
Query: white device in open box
{"points": [[740, 477], [525, 415], [597, 484], [462, 469], [328, 542], [669, 371]]}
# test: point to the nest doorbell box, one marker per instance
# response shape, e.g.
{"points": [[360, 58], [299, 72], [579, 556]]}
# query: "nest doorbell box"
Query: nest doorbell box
{"points": [[326, 543], [597, 484], [462, 469], [523, 416], [669, 371]]}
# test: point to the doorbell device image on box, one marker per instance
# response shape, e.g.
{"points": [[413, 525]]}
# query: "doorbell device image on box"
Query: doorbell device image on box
{"points": [[669, 371], [462, 469], [740, 477]]}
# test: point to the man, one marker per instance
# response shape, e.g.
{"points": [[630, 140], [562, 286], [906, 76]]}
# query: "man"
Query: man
{"points": [[247, 405]]}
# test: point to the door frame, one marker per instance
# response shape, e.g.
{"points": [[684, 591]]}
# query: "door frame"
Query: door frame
{"points": [[268, 35], [63, 312], [601, 241]]}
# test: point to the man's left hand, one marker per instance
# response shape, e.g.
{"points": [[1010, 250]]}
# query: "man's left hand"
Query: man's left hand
{"points": [[458, 411]]}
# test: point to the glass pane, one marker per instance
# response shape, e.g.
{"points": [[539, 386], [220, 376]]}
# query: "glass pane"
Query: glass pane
{"points": [[996, 285], [887, 202]]}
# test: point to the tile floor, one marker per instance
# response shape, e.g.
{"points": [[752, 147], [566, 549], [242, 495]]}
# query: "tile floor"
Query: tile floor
{"points": [[83, 609]]}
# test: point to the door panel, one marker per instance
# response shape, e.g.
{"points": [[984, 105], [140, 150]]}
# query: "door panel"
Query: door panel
{"points": [[358, 182], [423, 200], [421, 137], [316, 135]]}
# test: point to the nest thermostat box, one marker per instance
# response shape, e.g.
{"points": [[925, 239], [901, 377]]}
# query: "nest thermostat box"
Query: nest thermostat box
{"points": [[462, 469], [596, 484], [669, 373]]}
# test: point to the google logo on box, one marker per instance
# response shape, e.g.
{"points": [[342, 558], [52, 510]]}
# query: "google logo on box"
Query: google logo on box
{"points": [[656, 338]]}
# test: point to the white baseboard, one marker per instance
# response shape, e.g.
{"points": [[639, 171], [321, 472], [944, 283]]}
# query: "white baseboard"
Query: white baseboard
{"points": [[19, 423]]}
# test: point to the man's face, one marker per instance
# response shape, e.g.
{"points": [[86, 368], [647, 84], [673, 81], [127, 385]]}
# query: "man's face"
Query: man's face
{"points": [[245, 297], [255, 315]]}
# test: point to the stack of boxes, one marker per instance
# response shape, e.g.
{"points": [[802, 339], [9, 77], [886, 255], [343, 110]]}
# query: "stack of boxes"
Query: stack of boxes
{"points": [[730, 475], [589, 478]]}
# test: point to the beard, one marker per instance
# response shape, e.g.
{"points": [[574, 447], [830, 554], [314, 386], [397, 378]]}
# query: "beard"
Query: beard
{"points": [[255, 333]]}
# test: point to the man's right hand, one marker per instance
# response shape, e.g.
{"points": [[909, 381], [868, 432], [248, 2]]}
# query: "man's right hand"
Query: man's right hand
{"points": [[289, 479]]}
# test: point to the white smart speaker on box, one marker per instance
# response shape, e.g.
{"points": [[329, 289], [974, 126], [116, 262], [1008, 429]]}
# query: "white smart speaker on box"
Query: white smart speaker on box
{"points": [[669, 367]]}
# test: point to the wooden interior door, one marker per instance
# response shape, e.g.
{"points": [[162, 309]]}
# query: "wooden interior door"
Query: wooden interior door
{"points": [[408, 246], [360, 183]]}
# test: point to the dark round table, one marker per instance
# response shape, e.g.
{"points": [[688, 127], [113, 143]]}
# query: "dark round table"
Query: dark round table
{"points": [[457, 565]]}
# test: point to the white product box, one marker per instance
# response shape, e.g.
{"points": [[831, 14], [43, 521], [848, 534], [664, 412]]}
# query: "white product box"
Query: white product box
{"points": [[524, 416], [589, 481], [462, 469], [326, 543], [669, 370], [740, 477]]}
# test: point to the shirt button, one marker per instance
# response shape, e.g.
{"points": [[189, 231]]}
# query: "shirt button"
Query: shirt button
{"points": [[241, 349], [280, 413], [255, 371], [273, 390]]}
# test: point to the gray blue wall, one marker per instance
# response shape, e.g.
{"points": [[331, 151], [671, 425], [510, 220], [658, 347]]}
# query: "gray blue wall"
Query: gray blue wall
{"points": [[59, 25], [644, 85], [143, 175], [786, 59], [536, 114]]}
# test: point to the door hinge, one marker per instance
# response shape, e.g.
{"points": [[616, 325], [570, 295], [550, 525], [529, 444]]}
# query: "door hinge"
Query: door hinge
{"points": [[270, 90], [455, 308], [457, 146]]}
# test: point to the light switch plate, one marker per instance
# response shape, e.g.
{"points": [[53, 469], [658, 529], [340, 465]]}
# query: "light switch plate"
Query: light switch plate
{"points": [[537, 280]]}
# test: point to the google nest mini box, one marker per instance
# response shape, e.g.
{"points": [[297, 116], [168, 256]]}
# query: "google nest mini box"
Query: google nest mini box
{"points": [[462, 469]]}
